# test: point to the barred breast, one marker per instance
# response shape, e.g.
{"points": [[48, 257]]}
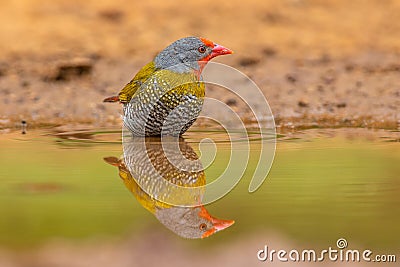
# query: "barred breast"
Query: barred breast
{"points": [[168, 103]]}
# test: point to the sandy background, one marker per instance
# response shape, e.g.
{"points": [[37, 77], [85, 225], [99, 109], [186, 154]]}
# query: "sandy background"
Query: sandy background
{"points": [[318, 62]]}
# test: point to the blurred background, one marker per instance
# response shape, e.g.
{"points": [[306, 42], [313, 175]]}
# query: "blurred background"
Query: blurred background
{"points": [[322, 65], [317, 62]]}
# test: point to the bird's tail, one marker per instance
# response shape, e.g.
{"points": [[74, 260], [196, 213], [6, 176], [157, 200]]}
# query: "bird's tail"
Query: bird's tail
{"points": [[112, 99], [124, 173], [113, 161]]}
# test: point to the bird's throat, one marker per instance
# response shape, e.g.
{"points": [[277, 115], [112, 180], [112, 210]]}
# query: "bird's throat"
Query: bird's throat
{"points": [[202, 64]]}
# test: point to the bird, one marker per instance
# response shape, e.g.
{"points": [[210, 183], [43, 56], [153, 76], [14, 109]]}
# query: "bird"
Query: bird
{"points": [[166, 96], [188, 222]]}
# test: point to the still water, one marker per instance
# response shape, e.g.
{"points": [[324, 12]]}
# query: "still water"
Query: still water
{"points": [[323, 185]]}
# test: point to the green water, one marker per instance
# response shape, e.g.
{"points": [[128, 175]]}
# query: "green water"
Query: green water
{"points": [[323, 185]]}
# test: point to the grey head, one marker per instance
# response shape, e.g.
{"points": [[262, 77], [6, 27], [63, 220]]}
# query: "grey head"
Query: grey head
{"points": [[185, 54], [191, 222]]}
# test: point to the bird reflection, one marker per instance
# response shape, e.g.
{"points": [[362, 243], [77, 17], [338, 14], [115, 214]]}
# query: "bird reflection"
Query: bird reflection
{"points": [[153, 165]]}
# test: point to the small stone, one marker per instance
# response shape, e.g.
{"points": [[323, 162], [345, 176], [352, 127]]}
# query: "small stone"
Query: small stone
{"points": [[25, 84], [303, 103], [341, 105], [269, 51], [231, 102], [112, 15], [245, 62], [291, 78], [349, 67], [75, 68]]}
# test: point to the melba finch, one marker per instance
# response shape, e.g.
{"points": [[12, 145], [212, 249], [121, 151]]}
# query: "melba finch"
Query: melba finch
{"points": [[166, 96]]}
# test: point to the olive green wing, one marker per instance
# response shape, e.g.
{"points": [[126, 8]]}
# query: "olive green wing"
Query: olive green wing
{"points": [[132, 87]]}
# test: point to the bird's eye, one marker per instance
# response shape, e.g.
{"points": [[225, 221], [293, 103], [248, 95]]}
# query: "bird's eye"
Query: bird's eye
{"points": [[203, 226], [202, 49]]}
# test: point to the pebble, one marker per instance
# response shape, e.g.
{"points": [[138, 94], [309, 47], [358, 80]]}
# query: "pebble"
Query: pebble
{"points": [[303, 103]]}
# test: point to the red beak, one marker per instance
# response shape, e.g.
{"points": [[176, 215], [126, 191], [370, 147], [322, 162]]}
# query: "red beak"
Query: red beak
{"points": [[221, 224], [218, 224], [219, 50]]}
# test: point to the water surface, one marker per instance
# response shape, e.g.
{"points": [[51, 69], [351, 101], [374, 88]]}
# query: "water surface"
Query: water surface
{"points": [[323, 185]]}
